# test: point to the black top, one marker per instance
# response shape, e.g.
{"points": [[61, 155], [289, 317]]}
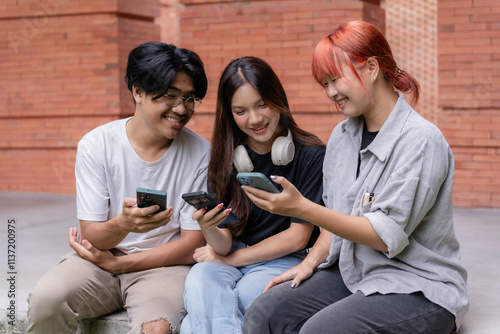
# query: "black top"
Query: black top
{"points": [[368, 137], [366, 140], [305, 172]]}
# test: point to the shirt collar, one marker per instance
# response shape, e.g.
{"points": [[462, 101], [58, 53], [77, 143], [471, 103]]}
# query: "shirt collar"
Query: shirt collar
{"points": [[385, 140]]}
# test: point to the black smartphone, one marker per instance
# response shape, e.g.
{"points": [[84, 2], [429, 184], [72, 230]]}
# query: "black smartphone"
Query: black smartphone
{"points": [[149, 197], [201, 199]]}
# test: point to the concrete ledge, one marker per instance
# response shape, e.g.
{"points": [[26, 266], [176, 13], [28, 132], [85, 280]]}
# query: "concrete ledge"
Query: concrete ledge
{"points": [[114, 323], [20, 323]]}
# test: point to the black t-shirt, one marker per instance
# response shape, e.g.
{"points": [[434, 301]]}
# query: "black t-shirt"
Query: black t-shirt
{"points": [[366, 140], [305, 172]]}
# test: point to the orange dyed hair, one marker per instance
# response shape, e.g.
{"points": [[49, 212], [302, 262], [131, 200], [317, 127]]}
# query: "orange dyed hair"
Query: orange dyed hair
{"points": [[353, 43]]}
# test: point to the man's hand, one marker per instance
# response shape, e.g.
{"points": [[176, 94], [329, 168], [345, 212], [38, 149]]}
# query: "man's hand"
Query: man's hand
{"points": [[141, 220], [108, 234], [103, 259]]}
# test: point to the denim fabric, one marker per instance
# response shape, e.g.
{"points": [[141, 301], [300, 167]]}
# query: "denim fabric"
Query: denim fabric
{"points": [[217, 295]]}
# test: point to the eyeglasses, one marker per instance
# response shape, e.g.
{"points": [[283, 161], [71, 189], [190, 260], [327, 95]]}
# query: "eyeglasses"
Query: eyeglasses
{"points": [[174, 99]]}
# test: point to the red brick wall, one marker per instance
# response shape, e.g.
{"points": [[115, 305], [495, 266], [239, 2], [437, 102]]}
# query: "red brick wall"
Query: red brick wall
{"points": [[61, 69], [62, 64], [284, 33], [469, 96], [411, 29]]}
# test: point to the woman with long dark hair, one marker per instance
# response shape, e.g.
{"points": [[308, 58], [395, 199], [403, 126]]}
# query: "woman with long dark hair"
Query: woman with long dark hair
{"points": [[387, 259], [254, 131]]}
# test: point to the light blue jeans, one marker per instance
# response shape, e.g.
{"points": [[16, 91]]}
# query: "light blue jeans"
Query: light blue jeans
{"points": [[217, 296]]}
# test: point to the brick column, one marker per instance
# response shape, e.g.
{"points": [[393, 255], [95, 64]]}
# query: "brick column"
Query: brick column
{"points": [[61, 69], [469, 96]]}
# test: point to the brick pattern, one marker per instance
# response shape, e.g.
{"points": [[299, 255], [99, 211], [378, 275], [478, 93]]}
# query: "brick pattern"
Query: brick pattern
{"points": [[62, 64], [284, 33], [412, 32], [61, 69], [469, 96]]}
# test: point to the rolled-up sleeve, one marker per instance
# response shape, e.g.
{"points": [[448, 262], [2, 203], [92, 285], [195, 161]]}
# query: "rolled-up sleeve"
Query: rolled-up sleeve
{"points": [[403, 202]]}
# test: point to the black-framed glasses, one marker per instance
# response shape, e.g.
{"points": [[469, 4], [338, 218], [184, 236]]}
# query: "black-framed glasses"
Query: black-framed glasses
{"points": [[174, 99]]}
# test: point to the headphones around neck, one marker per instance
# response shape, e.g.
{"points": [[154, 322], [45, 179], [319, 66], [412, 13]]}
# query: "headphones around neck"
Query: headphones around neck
{"points": [[282, 154]]}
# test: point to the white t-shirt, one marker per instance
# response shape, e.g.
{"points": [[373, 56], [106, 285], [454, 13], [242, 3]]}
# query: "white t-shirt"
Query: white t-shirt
{"points": [[108, 170]]}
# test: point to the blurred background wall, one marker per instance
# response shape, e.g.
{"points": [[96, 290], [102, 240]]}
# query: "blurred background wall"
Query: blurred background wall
{"points": [[62, 64]]}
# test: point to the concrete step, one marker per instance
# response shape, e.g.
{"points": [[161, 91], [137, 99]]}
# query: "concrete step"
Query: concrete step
{"points": [[114, 323]]}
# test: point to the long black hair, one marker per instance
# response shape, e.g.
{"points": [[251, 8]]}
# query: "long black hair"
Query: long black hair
{"points": [[227, 135]]}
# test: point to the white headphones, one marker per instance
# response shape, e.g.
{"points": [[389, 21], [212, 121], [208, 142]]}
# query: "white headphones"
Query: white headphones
{"points": [[282, 154]]}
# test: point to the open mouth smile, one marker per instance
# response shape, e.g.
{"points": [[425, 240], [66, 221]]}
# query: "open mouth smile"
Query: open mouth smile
{"points": [[260, 129], [175, 121]]}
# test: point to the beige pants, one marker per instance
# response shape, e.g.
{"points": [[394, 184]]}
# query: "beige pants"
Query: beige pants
{"points": [[77, 289]]}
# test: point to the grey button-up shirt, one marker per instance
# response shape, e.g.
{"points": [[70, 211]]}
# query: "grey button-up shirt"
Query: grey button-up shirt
{"points": [[408, 168]]}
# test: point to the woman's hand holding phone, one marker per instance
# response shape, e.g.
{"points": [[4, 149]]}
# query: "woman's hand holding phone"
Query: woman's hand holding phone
{"points": [[209, 220], [286, 203], [210, 214]]}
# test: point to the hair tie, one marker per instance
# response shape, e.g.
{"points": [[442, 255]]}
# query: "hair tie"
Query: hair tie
{"points": [[397, 71]]}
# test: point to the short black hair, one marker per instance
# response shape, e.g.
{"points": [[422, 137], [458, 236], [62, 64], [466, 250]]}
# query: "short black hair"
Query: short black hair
{"points": [[152, 67]]}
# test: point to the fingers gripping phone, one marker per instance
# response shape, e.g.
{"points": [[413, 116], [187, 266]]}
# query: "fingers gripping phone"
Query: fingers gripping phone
{"points": [[150, 197], [202, 199], [257, 180]]}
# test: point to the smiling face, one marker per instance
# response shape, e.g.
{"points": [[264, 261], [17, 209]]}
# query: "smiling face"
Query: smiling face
{"points": [[255, 118], [160, 119], [348, 92]]}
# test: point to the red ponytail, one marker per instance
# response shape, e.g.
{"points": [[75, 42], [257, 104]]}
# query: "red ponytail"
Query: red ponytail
{"points": [[354, 42]]}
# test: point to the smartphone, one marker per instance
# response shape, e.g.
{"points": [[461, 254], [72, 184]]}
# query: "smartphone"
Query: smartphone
{"points": [[257, 180], [149, 197], [201, 199]]}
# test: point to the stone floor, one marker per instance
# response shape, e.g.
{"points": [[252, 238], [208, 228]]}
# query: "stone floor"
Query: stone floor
{"points": [[41, 229]]}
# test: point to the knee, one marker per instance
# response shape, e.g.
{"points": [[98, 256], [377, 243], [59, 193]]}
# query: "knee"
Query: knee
{"points": [[160, 326], [194, 281], [201, 277], [257, 317], [269, 311], [44, 302]]}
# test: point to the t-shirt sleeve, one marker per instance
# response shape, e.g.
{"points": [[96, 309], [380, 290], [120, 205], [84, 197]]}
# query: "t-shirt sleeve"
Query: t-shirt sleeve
{"points": [[199, 183], [92, 195], [310, 178]]}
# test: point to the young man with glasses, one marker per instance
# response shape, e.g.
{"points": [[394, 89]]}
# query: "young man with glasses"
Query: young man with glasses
{"points": [[131, 257]]}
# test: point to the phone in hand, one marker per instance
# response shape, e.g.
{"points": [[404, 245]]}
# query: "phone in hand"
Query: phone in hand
{"points": [[257, 180], [150, 197], [201, 199]]}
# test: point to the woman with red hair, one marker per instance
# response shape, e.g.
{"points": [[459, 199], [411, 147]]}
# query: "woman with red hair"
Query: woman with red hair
{"points": [[387, 259]]}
